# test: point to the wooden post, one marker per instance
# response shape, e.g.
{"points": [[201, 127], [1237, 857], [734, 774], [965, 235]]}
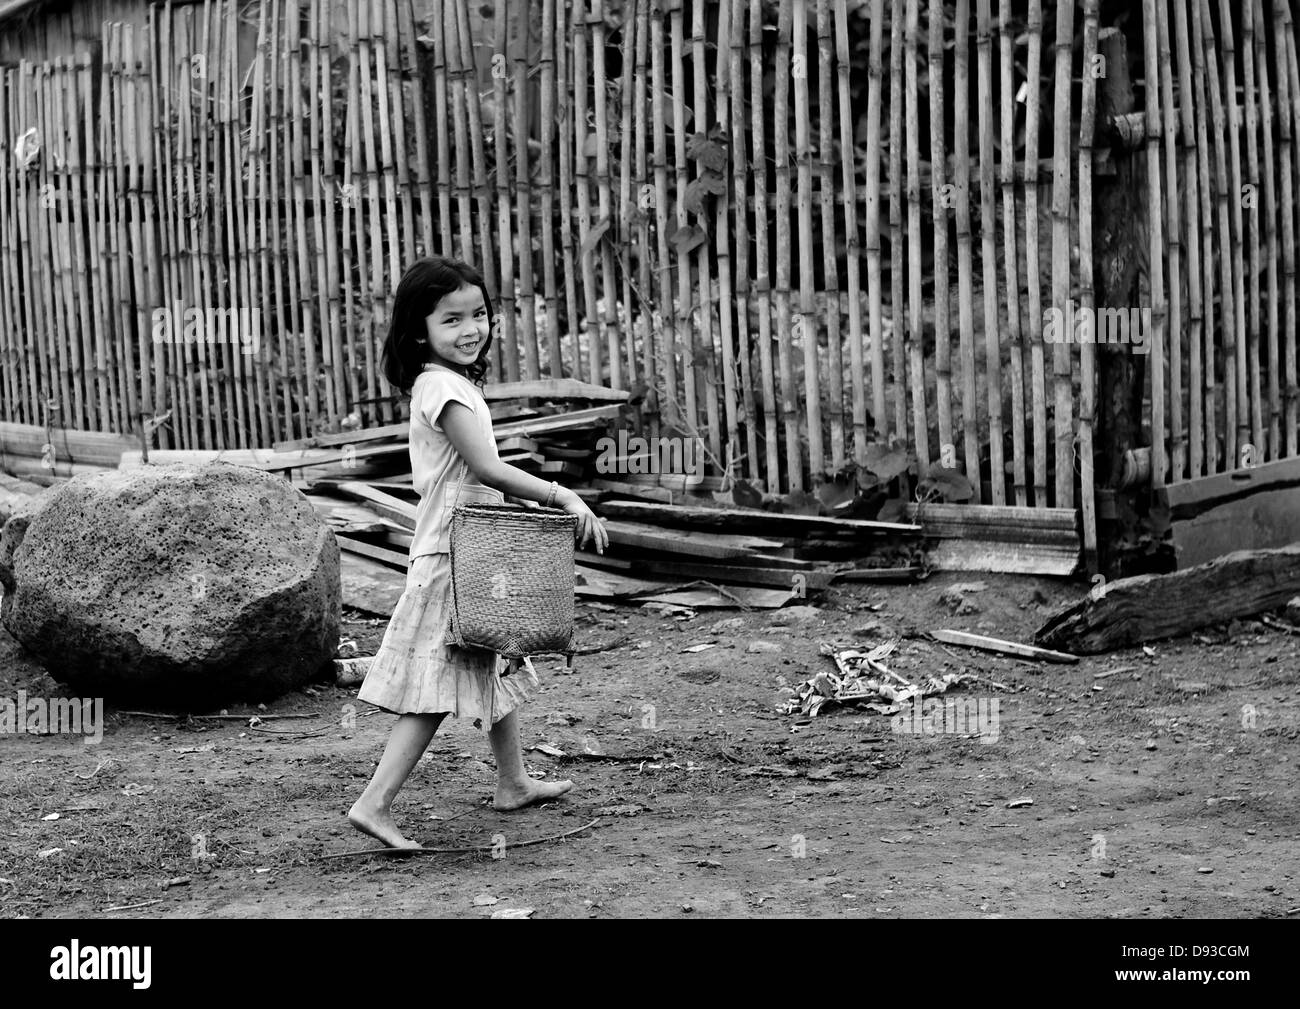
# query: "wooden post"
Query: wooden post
{"points": [[1118, 214]]}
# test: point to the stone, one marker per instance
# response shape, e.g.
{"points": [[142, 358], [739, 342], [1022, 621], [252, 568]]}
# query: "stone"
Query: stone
{"points": [[791, 615], [180, 586], [763, 647]]}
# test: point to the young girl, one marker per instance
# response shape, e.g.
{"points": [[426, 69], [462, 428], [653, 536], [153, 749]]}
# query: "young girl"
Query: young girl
{"points": [[437, 348]]}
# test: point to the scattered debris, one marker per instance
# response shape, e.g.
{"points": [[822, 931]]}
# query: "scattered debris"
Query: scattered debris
{"points": [[1018, 803], [864, 681], [485, 900]]}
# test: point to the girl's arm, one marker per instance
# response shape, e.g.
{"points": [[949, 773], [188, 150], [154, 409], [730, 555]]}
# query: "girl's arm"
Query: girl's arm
{"points": [[463, 431]]}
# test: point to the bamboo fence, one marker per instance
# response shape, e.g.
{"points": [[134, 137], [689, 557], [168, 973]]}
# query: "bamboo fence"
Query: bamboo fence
{"points": [[678, 197]]}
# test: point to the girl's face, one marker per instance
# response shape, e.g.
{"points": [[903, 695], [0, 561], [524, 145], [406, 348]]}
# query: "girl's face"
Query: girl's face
{"points": [[458, 328]]}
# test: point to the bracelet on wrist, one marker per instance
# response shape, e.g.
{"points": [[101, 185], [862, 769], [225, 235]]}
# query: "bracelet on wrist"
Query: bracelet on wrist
{"points": [[550, 498]]}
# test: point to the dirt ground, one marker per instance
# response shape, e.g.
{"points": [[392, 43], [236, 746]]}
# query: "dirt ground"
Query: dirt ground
{"points": [[1166, 789]]}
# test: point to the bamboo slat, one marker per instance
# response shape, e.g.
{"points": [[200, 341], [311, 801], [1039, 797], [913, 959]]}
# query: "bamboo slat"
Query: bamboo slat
{"points": [[809, 326], [871, 209], [784, 323], [1033, 276], [1187, 105], [745, 301], [988, 234], [899, 334], [826, 190], [1007, 164], [1062, 420], [1271, 252], [1087, 299], [965, 296], [939, 196], [762, 278]]}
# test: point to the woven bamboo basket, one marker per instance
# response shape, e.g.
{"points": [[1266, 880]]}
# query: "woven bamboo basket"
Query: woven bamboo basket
{"points": [[512, 579]]}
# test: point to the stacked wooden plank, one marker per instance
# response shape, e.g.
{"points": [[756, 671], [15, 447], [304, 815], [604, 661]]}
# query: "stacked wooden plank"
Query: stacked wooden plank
{"points": [[704, 554]]}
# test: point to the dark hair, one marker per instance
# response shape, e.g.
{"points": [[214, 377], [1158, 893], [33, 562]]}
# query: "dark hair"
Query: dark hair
{"points": [[425, 283]]}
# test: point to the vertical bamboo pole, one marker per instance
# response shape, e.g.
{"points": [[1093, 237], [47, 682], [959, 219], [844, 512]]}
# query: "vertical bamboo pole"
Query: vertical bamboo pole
{"points": [[480, 170], [392, 103], [583, 182], [1177, 436], [523, 208], [939, 189], [353, 234], [1252, 228], [509, 316], [807, 331], [10, 324], [784, 324], [1226, 198], [381, 213], [1007, 164], [443, 98], [245, 308], [762, 276], [629, 329], [684, 296], [965, 296], [988, 235], [643, 189], [273, 217], [897, 313], [664, 320], [459, 85], [872, 211], [740, 175], [546, 190], [180, 431], [565, 129], [1235, 253], [608, 289], [853, 247], [1062, 420], [263, 391], [704, 290], [1212, 451], [410, 71], [1187, 106], [1285, 40], [920, 423], [826, 189], [324, 187], [1156, 256], [1271, 253], [1087, 353], [1033, 261], [726, 297]]}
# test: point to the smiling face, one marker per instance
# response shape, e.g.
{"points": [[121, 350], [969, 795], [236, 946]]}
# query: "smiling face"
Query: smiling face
{"points": [[458, 328]]}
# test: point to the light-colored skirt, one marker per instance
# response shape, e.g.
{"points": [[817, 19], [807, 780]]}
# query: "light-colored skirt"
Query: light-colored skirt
{"points": [[419, 671]]}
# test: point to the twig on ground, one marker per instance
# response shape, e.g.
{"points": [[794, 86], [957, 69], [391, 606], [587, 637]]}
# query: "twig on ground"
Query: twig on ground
{"points": [[130, 907], [461, 851], [225, 718]]}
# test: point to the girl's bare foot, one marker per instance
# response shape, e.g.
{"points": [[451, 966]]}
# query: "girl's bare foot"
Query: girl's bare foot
{"points": [[517, 795], [378, 823]]}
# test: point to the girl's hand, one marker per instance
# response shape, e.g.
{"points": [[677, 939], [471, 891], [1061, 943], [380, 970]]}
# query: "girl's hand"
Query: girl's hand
{"points": [[589, 527]]}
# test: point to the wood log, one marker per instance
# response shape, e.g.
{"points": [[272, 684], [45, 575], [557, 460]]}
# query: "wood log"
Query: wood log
{"points": [[1150, 607]]}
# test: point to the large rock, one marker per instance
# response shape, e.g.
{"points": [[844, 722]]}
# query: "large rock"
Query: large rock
{"points": [[181, 586]]}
